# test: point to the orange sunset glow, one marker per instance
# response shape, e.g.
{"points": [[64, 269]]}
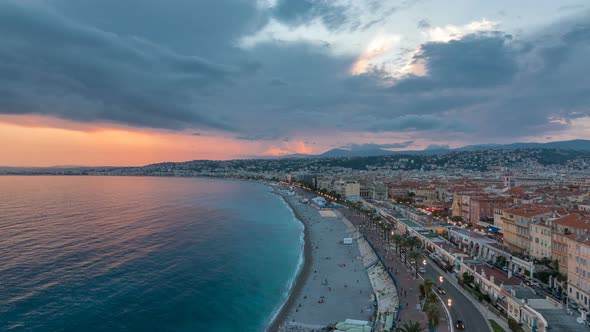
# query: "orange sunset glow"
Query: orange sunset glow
{"points": [[42, 141], [48, 146]]}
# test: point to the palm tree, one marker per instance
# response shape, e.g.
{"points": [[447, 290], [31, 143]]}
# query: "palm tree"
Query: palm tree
{"points": [[398, 240], [387, 235], [430, 300], [411, 326], [413, 242], [416, 256], [433, 314], [403, 245], [428, 285], [427, 292]]}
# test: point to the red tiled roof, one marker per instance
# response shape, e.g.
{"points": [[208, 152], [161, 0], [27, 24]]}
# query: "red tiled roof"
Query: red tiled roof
{"points": [[528, 211], [574, 220]]}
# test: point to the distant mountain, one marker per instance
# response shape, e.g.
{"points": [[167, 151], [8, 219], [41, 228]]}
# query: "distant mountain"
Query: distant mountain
{"points": [[577, 145], [339, 153]]}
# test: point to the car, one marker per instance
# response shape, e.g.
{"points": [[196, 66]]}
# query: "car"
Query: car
{"points": [[459, 325], [504, 268], [422, 270], [441, 291]]}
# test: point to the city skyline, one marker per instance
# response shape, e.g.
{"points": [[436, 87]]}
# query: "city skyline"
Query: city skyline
{"points": [[134, 83]]}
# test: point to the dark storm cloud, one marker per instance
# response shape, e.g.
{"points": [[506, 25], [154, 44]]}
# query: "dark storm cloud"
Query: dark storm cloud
{"points": [[52, 65], [207, 28], [475, 61], [336, 16], [550, 90], [412, 122], [296, 12], [175, 65]]}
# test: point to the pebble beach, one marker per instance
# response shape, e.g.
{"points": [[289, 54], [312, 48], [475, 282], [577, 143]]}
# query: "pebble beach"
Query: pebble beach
{"points": [[333, 284]]}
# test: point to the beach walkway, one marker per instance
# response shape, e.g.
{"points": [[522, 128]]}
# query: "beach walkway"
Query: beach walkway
{"points": [[409, 293]]}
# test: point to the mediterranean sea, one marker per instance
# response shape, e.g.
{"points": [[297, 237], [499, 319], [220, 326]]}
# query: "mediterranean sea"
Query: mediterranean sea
{"points": [[143, 254]]}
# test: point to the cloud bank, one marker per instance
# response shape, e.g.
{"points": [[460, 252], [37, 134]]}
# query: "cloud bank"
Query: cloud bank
{"points": [[292, 68]]}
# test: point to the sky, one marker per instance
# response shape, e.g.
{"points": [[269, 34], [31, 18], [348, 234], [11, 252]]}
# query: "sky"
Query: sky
{"points": [[110, 82]]}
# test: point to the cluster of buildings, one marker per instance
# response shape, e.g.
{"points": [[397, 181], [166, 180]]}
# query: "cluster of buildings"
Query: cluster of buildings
{"points": [[537, 224]]}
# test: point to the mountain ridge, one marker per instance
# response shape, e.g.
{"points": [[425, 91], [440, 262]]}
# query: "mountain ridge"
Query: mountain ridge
{"points": [[576, 144]]}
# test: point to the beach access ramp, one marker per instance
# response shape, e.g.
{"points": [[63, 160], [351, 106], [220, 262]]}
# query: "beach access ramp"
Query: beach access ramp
{"points": [[353, 325]]}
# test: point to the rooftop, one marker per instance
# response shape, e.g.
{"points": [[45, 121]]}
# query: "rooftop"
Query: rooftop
{"points": [[574, 220], [528, 211]]}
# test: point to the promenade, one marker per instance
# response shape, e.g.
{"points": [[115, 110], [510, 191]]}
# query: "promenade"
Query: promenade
{"points": [[409, 294]]}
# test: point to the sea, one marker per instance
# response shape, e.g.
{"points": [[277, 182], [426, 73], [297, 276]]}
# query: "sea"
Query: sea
{"points": [[143, 254]]}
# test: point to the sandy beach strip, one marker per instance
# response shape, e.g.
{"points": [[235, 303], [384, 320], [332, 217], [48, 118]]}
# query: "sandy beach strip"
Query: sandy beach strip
{"points": [[333, 284]]}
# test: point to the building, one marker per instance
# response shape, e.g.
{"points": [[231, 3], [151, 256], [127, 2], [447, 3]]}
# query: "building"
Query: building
{"points": [[380, 192], [426, 195], [572, 224], [516, 223], [347, 188], [366, 191], [540, 232], [482, 207], [498, 214], [397, 191], [456, 207], [578, 272], [324, 183], [370, 190]]}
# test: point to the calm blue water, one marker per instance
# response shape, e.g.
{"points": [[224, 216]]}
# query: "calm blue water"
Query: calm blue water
{"points": [[143, 254]]}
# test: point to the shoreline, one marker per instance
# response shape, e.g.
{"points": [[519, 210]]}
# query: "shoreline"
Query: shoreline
{"points": [[325, 292], [299, 281]]}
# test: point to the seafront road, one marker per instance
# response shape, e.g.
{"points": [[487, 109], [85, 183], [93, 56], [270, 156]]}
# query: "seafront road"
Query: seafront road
{"points": [[461, 307]]}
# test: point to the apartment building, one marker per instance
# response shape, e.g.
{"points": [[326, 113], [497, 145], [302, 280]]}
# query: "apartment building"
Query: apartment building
{"points": [[540, 232], [348, 188], [482, 207], [516, 222], [572, 224], [498, 214], [426, 195], [373, 190], [366, 190], [380, 192], [397, 191], [456, 207], [578, 272]]}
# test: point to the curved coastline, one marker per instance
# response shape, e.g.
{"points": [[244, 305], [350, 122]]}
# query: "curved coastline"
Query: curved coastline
{"points": [[303, 272]]}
